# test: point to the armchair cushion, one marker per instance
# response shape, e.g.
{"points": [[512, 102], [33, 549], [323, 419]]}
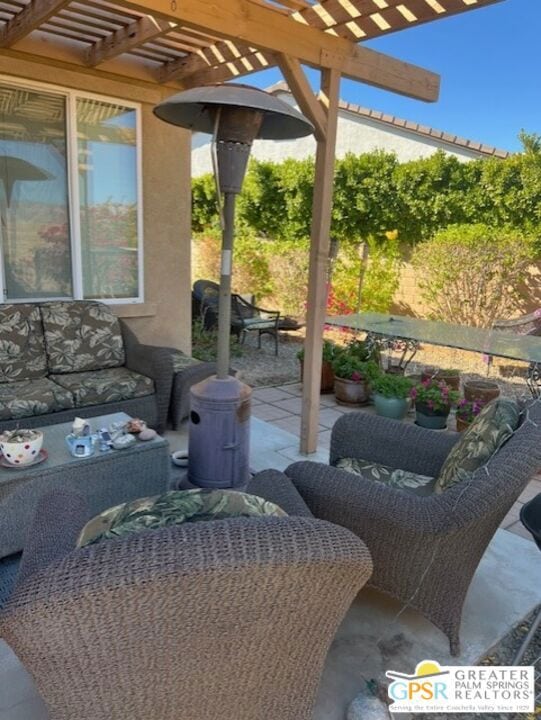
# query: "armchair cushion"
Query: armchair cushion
{"points": [[174, 508], [81, 336], [28, 398], [494, 425], [393, 477], [103, 386], [22, 345]]}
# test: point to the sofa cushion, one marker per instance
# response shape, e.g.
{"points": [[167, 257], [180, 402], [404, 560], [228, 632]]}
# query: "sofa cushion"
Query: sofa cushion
{"points": [[394, 477], [81, 336], [488, 432], [103, 386], [32, 397], [174, 508], [22, 345]]}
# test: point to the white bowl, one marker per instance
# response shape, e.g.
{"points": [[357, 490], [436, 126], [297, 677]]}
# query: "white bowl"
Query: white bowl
{"points": [[22, 453]]}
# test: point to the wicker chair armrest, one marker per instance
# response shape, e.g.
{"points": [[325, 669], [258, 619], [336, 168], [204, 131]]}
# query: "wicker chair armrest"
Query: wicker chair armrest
{"points": [[57, 522], [390, 442], [276, 487], [355, 502], [156, 363], [272, 314]]}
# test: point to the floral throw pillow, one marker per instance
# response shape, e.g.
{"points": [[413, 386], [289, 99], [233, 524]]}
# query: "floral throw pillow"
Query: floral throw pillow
{"points": [[494, 425], [174, 508], [81, 336], [394, 477]]}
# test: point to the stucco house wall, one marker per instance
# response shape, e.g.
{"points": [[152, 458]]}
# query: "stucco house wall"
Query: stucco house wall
{"points": [[165, 315], [359, 131]]}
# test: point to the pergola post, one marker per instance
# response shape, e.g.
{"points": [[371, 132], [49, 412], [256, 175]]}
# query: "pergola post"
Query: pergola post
{"points": [[319, 258]]}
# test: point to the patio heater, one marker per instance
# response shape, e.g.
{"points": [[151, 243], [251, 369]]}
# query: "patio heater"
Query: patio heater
{"points": [[235, 115]]}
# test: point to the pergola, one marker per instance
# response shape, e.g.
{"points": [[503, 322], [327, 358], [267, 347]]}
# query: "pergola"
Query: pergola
{"points": [[185, 43]]}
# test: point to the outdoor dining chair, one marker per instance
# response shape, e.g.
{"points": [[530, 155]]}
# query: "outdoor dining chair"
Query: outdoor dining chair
{"points": [[222, 620]]}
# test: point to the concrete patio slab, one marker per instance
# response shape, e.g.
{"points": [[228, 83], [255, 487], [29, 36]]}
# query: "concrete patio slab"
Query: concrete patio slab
{"points": [[371, 640]]}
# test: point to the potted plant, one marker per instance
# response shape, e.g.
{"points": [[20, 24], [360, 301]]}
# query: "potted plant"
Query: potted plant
{"points": [[327, 374], [451, 376], [352, 377], [391, 395], [466, 412], [21, 447], [433, 402]]}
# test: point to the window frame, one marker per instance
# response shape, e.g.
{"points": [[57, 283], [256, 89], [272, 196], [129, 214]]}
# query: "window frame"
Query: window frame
{"points": [[72, 169]]}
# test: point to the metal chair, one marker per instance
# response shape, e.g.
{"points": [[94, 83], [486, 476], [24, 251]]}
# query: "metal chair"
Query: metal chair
{"points": [[246, 317]]}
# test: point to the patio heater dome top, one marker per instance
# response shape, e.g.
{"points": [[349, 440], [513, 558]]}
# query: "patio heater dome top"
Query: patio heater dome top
{"points": [[195, 110]]}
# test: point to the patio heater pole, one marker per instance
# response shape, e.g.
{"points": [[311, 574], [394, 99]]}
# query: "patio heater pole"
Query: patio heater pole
{"points": [[220, 405], [224, 307]]}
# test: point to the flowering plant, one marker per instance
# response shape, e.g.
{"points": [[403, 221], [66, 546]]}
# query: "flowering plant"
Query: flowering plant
{"points": [[349, 367], [468, 410], [435, 394]]}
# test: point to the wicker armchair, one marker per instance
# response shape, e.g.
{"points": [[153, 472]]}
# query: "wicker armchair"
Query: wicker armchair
{"points": [[425, 549], [222, 620]]}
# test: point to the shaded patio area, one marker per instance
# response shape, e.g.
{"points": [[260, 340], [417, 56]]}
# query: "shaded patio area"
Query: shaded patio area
{"points": [[377, 633]]}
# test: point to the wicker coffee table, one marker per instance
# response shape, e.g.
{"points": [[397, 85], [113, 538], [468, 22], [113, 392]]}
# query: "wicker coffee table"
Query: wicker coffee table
{"points": [[104, 479]]}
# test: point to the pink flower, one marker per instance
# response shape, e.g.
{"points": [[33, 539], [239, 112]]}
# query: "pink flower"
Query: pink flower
{"points": [[413, 393], [430, 404], [356, 376]]}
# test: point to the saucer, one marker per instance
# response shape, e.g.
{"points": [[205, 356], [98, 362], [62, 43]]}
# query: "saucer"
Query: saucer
{"points": [[42, 455]]}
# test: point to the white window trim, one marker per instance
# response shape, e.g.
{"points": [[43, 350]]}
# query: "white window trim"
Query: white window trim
{"points": [[72, 168]]}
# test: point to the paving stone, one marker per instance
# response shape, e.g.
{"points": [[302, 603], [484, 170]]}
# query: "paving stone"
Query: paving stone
{"points": [[270, 394], [518, 528], [328, 417], [269, 412], [292, 405]]}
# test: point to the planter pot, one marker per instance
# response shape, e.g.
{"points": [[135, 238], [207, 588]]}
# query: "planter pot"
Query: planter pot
{"points": [[327, 376], [432, 419], [348, 392], [453, 381], [391, 407], [461, 424], [481, 390]]}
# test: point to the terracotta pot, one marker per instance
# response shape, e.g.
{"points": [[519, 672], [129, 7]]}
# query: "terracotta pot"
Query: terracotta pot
{"points": [[461, 424], [433, 419], [481, 390], [453, 381], [327, 376], [349, 392]]}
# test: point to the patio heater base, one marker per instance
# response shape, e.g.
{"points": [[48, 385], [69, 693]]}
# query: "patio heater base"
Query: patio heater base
{"points": [[219, 433]]}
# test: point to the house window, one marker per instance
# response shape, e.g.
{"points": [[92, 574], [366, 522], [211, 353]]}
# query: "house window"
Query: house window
{"points": [[70, 206]]}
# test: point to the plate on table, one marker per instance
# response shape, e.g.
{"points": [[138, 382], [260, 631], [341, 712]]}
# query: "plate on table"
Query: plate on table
{"points": [[42, 456]]}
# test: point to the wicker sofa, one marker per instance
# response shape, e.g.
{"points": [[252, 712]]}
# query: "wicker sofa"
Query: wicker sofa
{"points": [[63, 359], [425, 549], [229, 619]]}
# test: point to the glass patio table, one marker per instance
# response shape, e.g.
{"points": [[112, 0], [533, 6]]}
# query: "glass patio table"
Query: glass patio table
{"points": [[403, 333]]}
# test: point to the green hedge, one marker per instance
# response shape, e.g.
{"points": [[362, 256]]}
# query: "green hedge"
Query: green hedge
{"points": [[374, 193]]}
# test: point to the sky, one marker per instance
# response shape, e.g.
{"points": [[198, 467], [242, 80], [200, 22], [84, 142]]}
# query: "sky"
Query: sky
{"points": [[489, 60]]}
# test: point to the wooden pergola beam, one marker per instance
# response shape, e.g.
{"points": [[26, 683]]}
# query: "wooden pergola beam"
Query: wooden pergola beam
{"points": [[259, 26], [34, 14], [125, 39], [319, 260], [300, 87]]}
